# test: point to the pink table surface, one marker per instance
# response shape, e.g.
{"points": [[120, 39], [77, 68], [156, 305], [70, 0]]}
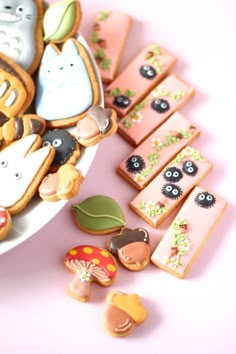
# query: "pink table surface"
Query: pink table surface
{"points": [[194, 315]]}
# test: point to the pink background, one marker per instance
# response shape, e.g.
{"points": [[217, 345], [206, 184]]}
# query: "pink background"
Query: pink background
{"points": [[194, 315]]}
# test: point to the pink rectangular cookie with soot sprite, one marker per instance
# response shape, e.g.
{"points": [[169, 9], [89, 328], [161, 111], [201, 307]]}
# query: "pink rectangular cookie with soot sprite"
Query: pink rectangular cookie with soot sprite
{"points": [[138, 78], [171, 94], [106, 46], [149, 158], [189, 231], [161, 196]]}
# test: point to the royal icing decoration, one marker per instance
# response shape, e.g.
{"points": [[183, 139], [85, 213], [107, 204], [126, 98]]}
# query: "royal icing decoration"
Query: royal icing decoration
{"points": [[187, 234]]}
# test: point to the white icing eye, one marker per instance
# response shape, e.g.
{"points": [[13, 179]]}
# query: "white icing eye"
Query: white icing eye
{"points": [[145, 67], [190, 169], [163, 105], [176, 174], [188, 164], [134, 159], [209, 197], [46, 143], [3, 163], [136, 164], [125, 101], [168, 174], [157, 101], [18, 175], [201, 197], [120, 99], [150, 72], [56, 143], [175, 191], [168, 188], [20, 10]]}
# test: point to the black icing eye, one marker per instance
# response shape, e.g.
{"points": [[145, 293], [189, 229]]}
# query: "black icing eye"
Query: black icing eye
{"points": [[121, 101], [205, 200], [46, 143], [3, 163], [190, 168], [135, 164], [19, 9], [171, 191], [56, 143], [49, 71], [148, 71], [71, 64], [18, 175], [159, 105], [173, 174]]}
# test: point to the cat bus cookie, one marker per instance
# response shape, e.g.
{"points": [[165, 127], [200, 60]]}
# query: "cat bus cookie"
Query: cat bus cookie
{"points": [[67, 85], [21, 36]]}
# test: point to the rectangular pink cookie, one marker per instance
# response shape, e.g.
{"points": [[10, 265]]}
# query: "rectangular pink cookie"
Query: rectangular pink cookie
{"points": [[189, 231], [156, 201], [171, 94], [138, 78], [149, 158], [106, 45]]}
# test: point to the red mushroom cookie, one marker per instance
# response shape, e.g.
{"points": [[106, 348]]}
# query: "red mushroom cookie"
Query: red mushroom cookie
{"points": [[5, 223], [132, 248], [123, 312], [90, 264]]}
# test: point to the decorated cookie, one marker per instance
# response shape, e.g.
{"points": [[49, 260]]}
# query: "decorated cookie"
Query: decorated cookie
{"points": [[123, 313], [171, 94], [21, 36], [16, 87], [98, 124], [104, 43], [159, 198], [132, 248], [189, 231], [90, 264], [151, 156], [98, 215], [67, 85], [5, 223], [61, 20], [23, 165], [63, 184], [66, 147], [138, 78], [15, 128]]}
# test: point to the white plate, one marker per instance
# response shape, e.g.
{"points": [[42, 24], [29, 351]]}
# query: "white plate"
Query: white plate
{"points": [[28, 222]]}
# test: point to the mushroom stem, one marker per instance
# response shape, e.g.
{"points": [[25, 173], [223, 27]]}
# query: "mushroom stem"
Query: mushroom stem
{"points": [[79, 287]]}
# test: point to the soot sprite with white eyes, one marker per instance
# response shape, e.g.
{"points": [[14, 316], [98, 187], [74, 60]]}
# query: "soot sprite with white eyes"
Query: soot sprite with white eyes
{"points": [[135, 164], [190, 168], [159, 105], [173, 174], [171, 191], [148, 71], [64, 144], [205, 200], [122, 101]]}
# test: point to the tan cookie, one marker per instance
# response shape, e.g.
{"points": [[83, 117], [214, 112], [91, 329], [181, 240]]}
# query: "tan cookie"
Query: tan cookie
{"points": [[90, 264], [63, 184], [123, 313], [98, 124]]}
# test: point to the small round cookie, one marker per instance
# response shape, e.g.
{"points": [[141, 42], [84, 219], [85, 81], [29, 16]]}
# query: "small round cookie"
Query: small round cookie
{"points": [[98, 124], [90, 264], [123, 313], [132, 248], [5, 223], [62, 184], [98, 215], [66, 147]]}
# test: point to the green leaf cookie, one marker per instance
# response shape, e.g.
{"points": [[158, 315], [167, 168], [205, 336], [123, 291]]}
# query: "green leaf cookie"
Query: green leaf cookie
{"points": [[98, 215]]}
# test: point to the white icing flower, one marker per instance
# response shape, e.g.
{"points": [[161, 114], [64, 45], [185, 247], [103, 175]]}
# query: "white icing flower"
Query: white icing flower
{"points": [[184, 245], [156, 142], [150, 205], [170, 262], [84, 276], [139, 178], [188, 151], [137, 118], [159, 91]]}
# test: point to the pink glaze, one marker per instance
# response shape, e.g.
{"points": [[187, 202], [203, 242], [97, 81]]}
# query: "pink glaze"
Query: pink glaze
{"points": [[200, 222], [86, 128], [49, 184], [131, 79], [175, 123], [113, 30], [149, 119], [152, 194]]}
